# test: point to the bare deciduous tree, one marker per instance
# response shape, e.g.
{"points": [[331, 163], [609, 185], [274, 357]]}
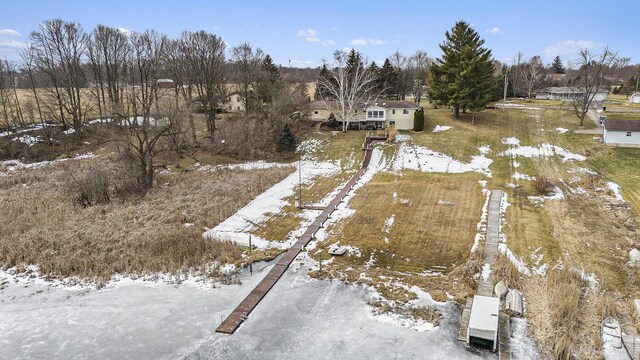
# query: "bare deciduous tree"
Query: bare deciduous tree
{"points": [[246, 64], [590, 78], [532, 73], [147, 57], [58, 51], [418, 69], [203, 56], [346, 90], [108, 51]]}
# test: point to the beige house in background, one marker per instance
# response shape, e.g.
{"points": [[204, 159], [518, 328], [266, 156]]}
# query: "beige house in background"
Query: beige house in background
{"points": [[378, 115]]}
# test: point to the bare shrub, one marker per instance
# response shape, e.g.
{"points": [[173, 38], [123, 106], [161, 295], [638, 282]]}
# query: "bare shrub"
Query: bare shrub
{"points": [[544, 186], [392, 133], [90, 187]]}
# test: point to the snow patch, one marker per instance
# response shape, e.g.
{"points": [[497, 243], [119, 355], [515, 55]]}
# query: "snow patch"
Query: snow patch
{"points": [[615, 188], [561, 130], [440, 128], [28, 139], [419, 158]]}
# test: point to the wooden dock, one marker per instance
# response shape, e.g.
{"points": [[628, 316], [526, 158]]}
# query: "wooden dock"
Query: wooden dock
{"points": [[485, 287], [242, 311], [504, 337], [463, 329]]}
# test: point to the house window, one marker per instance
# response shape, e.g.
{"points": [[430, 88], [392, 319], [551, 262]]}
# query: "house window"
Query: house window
{"points": [[375, 114], [628, 133], [405, 112], [392, 123], [393, 111]]}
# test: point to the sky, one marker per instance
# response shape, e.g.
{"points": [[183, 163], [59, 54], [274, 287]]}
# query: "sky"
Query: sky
{"points": [[305, 33]]}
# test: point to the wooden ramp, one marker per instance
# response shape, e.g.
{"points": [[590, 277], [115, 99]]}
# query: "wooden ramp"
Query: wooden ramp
{"points": [[463, 327], [504, 337], [242, 311]]}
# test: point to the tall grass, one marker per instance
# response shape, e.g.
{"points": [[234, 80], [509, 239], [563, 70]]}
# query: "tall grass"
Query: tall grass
{"points": [[161, 232]]}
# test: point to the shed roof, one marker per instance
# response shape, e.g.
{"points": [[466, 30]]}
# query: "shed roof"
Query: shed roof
{"points": [[484, 313], [621, 125]]}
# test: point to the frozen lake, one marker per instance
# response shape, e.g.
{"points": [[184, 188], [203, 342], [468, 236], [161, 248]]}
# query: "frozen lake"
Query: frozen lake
{"points": [[299, 318]]}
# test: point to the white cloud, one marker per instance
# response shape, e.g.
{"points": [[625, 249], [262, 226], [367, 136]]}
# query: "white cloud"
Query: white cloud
{"points": [[124, 31], [570, 47], [312, 39], [215, 27], [364, 42], [9, 32], [495, 30], [334, 28], [328, 43], [359, 42], [309, 33], [11, 44]]}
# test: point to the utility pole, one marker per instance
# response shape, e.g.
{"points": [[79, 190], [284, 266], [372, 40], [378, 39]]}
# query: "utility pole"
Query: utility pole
{"points": [[250, 250], [506, 82], [300, 181]]}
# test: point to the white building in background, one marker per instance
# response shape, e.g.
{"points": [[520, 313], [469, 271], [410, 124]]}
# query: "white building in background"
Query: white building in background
{"points": [[568, 94], [622, 132], [634, 98]]}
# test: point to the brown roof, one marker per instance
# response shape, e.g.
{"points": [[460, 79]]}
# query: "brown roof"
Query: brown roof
{"points": [[388, 104], [622, 125], [394, 104]]}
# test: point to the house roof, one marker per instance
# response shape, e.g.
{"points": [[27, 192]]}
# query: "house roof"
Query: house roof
{"points": [[387, 104], [395, 104], [621, 125], [567, 90]]}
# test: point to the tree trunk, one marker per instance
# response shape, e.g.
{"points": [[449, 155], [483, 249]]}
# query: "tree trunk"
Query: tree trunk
{"points": [[456, 111]]}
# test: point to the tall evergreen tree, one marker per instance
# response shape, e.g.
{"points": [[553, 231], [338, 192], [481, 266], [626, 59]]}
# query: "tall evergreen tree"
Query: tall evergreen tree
{"points": [[354, 61], [269, 79], [287, 141], [463, 77], [387, 79], [557, 66], [418, 120]]}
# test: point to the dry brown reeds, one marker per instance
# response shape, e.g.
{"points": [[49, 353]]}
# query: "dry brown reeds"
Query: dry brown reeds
{"points": [[161, 232]]}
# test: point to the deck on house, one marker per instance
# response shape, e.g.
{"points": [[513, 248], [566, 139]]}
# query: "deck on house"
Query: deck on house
{"points": [[242, 311]]}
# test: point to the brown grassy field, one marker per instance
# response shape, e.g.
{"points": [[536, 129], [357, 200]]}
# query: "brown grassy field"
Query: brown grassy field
{"points": [[161, 232]]}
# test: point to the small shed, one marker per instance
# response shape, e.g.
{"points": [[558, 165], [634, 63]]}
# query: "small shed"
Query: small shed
{"points": [[622, 132], [634, 98], [483, 323]]}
